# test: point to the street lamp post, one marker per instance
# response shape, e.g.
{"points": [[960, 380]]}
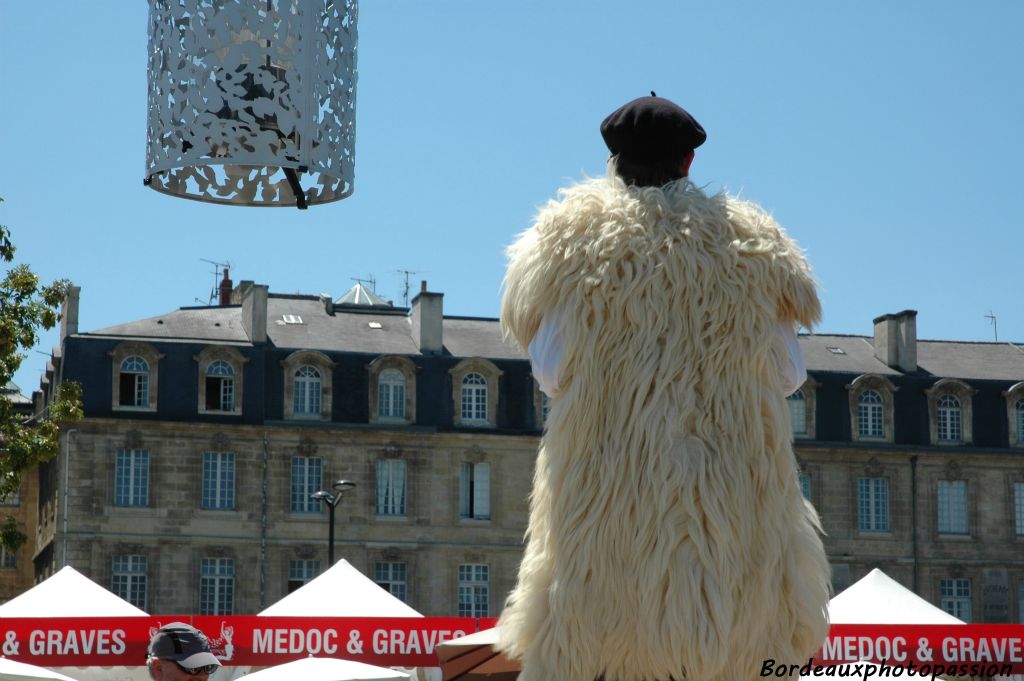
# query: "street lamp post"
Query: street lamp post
{"points": [[332, 501]]}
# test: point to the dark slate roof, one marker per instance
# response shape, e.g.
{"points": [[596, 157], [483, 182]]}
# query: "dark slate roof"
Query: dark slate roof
{"points": [[945, 359], [844, 354], [953, 359], [347, 330], [364, 329], [215, 324], [465, 337]]}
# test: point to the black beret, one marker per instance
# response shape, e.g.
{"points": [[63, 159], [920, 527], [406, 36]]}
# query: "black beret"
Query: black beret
{"points": [[651, 129]]}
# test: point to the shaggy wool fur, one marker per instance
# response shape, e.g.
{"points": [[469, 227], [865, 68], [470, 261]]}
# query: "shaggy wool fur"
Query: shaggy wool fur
{"points": [[668, 537]]}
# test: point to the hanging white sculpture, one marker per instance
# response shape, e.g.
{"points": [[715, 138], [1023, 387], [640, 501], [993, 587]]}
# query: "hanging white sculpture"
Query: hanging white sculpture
{"points": [[252, 102]]}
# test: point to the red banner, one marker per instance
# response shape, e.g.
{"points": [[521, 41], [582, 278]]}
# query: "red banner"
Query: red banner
{"points": [[235, 639], [929, 649], [939, 650]]}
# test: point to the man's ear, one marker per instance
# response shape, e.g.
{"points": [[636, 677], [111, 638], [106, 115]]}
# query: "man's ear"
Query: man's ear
{"points": [[685, 165]]}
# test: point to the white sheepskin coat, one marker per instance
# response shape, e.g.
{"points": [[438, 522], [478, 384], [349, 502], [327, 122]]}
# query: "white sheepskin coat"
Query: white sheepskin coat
{"points": [[668, 537]]}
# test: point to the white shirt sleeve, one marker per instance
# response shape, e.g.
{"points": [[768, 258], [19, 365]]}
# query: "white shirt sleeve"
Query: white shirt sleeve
{"points": [[794, 372], [546, 354]]}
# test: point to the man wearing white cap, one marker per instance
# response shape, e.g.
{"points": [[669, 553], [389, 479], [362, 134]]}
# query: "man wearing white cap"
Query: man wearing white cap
{"points": [[180, 652]]}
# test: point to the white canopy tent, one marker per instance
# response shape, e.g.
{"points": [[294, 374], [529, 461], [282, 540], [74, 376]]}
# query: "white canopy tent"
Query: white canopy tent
{"points": [[344, 591], [327, 669], [341, 591], [880, 599], [12, 670], [69, 593]]}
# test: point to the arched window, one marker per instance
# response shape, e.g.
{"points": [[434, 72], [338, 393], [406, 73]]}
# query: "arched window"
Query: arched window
{"points": [[869, 414], [797, 412], [307, 392], [391, 394], [949, 419], [474, 398], [134, 382], [220, 386]]}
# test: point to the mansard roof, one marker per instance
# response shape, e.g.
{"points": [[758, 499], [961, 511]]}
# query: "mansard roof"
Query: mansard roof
{"points": [[308, 322], [954, 359]]}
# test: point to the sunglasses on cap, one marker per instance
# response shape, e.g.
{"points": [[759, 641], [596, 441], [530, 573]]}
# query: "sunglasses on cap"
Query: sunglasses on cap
{"points": [[195, 671]]}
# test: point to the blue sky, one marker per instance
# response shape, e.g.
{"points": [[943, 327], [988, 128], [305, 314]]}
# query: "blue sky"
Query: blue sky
{"points": [[887, 137]]}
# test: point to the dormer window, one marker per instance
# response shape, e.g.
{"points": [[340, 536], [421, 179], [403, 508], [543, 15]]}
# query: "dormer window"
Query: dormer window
{"points": [[871, 408], [950, 412], [308, 385], [475, 392]]}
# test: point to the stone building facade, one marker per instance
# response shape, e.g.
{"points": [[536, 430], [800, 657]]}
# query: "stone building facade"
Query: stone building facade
{"points": [[187, 485], [913, 453], [16, 570]]}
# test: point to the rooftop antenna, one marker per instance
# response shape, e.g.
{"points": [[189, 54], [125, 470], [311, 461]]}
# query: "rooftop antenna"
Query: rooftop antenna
{"points": [[405, 287], [371, 281], [218, 267], [991, 316]]}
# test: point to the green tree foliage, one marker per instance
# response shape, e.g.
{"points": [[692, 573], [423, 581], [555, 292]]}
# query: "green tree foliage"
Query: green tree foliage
{"points": [[25, 307]]}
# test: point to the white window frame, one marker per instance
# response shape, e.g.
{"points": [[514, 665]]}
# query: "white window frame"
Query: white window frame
{"points": [[955, 597], [391, 487], [391, 395], [218, 493], [949, 419], [474, 398], [225, 373], [302, 571], [475, 490], [951, 502], [393, 577], [870, 414], [873, 505], [138, 368], [307, 392], [307, 478], [131, 478], [216, 586], [474, 590], [128, 579]]}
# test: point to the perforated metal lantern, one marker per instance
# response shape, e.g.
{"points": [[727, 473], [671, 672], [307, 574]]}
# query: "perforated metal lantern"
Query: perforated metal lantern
{"points": [[252, 102]]}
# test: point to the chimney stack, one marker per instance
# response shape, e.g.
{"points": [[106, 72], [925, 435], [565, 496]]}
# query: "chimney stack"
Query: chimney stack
{"points": [[225, 289], [428, 321], [254, 311], [896, 340], [69, 313]]}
